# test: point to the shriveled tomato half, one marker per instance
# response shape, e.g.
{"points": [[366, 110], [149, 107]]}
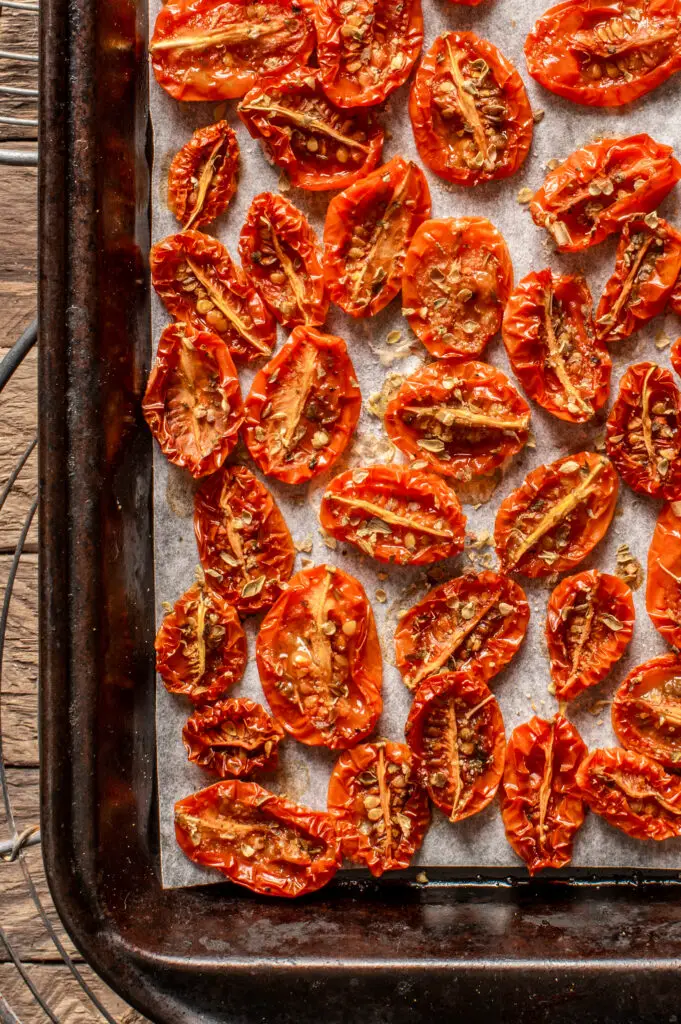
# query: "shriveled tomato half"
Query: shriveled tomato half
{"points": [[193, 403], [394, 514], [456, 281], [198, 283], [647, 265], [632, 792], [303, 407], [646, 710], [203, 176], [464, 419], [663, 589], [557, 516], [675, 356], [474, 622], [244, 545], [261, 841], [320, 661], [366, 48], [233, 737], [281, 255], [367, 233], [541, 803], [216, 49], [643, 432], [381, 811], [470, 113], [318, 144], [456, 734], [589, 623], [605, 54], [549, 335], [200, 647], [600, 186]]}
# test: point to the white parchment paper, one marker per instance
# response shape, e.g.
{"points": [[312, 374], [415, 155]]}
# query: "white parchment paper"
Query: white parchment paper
{"points": [[522, 688]]}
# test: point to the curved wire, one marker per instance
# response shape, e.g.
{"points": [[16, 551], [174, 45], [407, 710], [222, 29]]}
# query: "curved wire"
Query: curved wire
{"points": [[15, 472], [27, 978], [17, 353]]}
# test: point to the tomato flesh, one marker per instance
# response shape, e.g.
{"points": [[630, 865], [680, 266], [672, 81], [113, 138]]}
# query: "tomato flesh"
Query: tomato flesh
{"points": [[646, 710], [203, 176], [663, 590], [233, 737]]}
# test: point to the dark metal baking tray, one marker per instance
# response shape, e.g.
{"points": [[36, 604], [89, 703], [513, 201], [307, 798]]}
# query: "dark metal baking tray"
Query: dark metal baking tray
{"points": [[480, 949]]}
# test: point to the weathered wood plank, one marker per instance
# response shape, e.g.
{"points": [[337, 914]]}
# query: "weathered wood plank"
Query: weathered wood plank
{"points": [[20, 663], [20, 729], [18, 223], [63, 995], [18, 34], [19, 426]]}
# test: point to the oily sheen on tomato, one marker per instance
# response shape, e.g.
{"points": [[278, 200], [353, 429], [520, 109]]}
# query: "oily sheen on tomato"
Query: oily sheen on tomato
{"points": [[203, 176], [470, 114], [663, 589], [646, 710], [319, 659], [233, 737]]}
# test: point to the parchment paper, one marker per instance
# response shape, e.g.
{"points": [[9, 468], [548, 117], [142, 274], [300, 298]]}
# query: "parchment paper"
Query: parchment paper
{"points": [[522, 688]]}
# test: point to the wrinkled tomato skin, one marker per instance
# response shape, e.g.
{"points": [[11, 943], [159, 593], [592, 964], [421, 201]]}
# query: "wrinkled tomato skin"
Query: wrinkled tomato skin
{"points": [[395, 193], [193, 368], [675, 356], [485, 271], [356, 776], [646, 389], [587, 477], [532, 749], [291, 870], [475, 448], [236, 516], [646, 710], [425, 644], [212, 739], [276, 114], [213, 151], [575, 217], [571, 388], [203, 73], [588, 663], [395, 31], [277, 241], [442, 148], [595, 29], [598, 777], [348, 494], [171, 273], [289, 683], [639, 287], [663, 589], [225, 647], [328, 404], [433, 705]]}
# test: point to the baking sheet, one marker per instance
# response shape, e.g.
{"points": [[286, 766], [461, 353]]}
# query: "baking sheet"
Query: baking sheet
{"points": [[522, 688]]}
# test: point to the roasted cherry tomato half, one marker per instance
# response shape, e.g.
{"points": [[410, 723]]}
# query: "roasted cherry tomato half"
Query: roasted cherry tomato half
{"points": [[605, 54], [541, 804], [366, 48], [589, 623], [233, 737], [557, 516], [475, 622], [470, 113], [464, 419], [632, 792], [264, 842], [549, 335], [203, 176], [200, 646], [381, 811], [198, 283], [193, 403], [244, 545], [215, 49], [456, 281], [281, 255], [303, 407], [646, 710], [394, 514], [663, 591], [643, 432], [675, 298], [675, 356], [456, 735], [647, 265], [367, 233], [600, 186], [320, 661]]}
